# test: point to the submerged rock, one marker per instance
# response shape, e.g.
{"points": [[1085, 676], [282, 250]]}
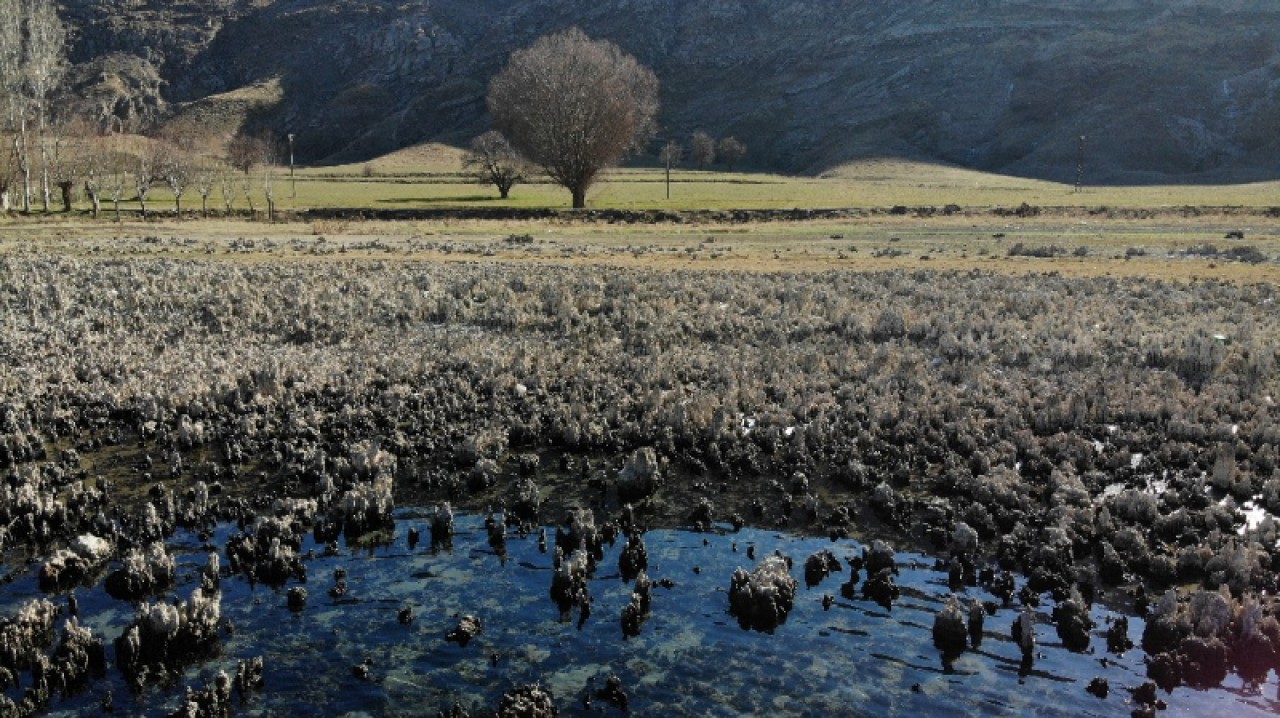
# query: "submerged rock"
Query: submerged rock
{"points": [[165, 636], [1118, 640], [613, 694], [950, 632], [818, 566], [442, 526], [579, 532], [762, 599], [633, 616], [881, 588], [977, 617], [1074, 622], [468, 627], [1023, 633], [634, 557], [142, 573], [569, 583], [528, 701], [71, 566], [880, 556]]}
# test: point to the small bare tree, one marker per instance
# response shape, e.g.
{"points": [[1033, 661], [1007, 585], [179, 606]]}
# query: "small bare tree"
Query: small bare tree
{"points": [[63, 159], [8, 170], [203, 179], [227, 187], [145, 170], [492, 160], [702, 149], [269, 156], [731, 151], [117, 179], [244, 152], [96, 176], [174, 168], [574, 106]]}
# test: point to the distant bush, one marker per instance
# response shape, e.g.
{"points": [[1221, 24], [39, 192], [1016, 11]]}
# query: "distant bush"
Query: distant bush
{"points": [[1043, 252], [1249, 255], [1201, 250]]}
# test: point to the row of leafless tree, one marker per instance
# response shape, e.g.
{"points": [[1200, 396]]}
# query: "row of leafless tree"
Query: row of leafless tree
{"points": [[46, 150], [115, 168], [32, 64]]}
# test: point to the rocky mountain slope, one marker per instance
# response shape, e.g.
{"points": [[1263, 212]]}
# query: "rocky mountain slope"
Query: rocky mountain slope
{"points": [[1161, 89]]}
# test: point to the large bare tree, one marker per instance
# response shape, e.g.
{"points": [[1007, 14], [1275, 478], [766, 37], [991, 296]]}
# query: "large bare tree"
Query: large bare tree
{"points": [[574, 106], [492, 160]]}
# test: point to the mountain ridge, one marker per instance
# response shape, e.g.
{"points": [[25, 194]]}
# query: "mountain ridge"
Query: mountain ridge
{"points": [[1162, 91]]}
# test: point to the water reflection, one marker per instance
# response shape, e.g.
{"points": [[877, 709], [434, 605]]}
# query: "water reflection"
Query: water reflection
{"points": [[690, 657]]}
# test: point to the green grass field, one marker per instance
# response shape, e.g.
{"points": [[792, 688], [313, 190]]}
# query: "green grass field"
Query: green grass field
{"points": [[430, 176], [883, 183], [1145, 231]]}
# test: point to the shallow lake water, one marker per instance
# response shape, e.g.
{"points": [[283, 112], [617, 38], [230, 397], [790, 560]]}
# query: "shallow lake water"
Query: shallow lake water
{"points": [[691, 657]]}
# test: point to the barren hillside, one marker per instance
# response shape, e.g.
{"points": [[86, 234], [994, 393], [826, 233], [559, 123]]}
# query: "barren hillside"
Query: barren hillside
{"points": [[1161, 89]]}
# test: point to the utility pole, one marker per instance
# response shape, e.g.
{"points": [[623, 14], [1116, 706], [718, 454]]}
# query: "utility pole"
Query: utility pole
{"points": [[668, 176], [1080, 165], [293, 182], [670, 155]]}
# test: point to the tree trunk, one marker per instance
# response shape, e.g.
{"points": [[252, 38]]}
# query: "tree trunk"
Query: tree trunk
{"points": [[177, 206], [24, 159], [4, 200], [204, 206], [579, 197], [96, 203], [504, 192], [143, 204], [65, 188], [117, 203], [45, 193]]}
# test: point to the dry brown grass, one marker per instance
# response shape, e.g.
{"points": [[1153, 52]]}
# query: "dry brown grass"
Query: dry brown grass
{"points": [[1122, 248]]}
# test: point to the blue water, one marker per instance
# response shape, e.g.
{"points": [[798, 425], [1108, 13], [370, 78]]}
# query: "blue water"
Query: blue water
{"points": [[690, 659]]}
